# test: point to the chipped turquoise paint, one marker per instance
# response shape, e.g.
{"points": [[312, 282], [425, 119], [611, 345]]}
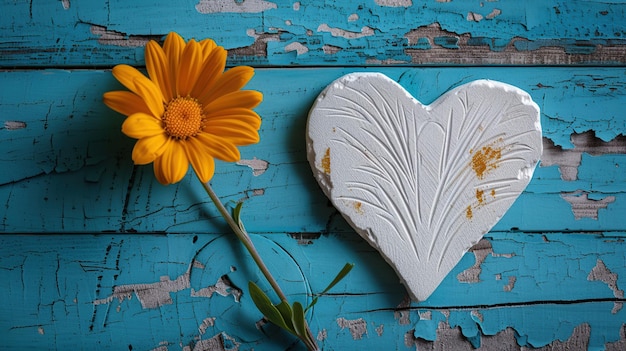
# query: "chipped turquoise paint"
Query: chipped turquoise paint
{"points": [[49, 34], [72, 138], [545, 304], [78, 221]]}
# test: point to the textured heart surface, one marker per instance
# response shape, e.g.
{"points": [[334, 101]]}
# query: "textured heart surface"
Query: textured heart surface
{"points": [[422, 184]]}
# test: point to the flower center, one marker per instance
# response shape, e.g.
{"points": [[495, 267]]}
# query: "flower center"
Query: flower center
{"points": [[183, 117]]}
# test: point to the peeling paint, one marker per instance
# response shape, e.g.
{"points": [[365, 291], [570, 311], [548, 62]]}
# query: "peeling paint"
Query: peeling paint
{"points": [[453, 339], [299, 48], [601, 273], [197, 264], [480, 251], [221, 6], [14, 125], [410, 339], [258, 192], [508, 287], [477, 316], [568, 160], [388, 62], [402, 313], [154, 295], [578, 341], [110, 37], [223, 287], [338, 32], [353, 17], [322, 335], [150, 295], [357, 327], [425, 46], [259, 47], [258, 166], [447, 339], [620, 344], [305, 238], [216, 343], [493, 14], [206, 323], [475, 17], [380, 330], [394, 3], [66, 4], [583, 206]]}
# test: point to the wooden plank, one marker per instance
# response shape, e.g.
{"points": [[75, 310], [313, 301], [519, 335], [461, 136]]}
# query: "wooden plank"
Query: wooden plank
{"points": [[66, 165], [333, 32], [176, 291], [113, 260]]}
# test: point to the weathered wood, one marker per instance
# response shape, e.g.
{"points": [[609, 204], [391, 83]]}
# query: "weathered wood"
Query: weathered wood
{"points": [[64, 147], [555, 32], [149, 291], [94, 254]]}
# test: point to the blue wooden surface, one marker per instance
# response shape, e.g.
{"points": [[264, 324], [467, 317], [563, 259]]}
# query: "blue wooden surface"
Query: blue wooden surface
{"points": [[96, 254]]}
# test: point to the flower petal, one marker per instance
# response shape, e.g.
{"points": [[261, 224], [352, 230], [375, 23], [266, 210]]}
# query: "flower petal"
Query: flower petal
{"points": [[151, 95], [212, 69], [236, 135], [236, 131], [232, 80], [173, 48], [189, 68], [239, 98], [125, 102], [172, 166], [243, 114], [141, 125], [200, 158], [157, 67], [147, 149], [158, 171], [207, 45], [219, 147], [127, 75]]}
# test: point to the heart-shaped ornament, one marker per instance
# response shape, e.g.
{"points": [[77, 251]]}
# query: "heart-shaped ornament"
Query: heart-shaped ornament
{"points": [[422, 184]]}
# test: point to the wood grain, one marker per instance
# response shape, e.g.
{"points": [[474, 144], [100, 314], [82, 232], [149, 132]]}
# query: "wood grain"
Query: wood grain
{"points": [[334, 32], [95, 254]]}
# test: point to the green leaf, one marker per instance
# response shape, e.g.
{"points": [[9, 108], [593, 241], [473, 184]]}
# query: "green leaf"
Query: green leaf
{"points": [[287, 314], [265, 306], [298, 321], [342, 274]]}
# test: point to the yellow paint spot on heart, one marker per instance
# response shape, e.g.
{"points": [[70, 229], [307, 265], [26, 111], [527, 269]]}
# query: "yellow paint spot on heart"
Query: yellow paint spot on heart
{"points": [[493, 192], [480, 196], [326, 161], [468, 212], [485, 160], [358, 207]]}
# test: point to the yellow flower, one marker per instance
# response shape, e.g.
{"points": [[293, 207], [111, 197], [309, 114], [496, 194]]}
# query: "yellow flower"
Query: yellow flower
{"points": [[189, 111]]}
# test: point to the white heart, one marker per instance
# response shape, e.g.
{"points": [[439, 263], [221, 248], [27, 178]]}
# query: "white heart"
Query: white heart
{"points": [[422, 184]]}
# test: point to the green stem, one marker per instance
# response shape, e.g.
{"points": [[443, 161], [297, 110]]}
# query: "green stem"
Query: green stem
{"points": [[247, 243]]}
